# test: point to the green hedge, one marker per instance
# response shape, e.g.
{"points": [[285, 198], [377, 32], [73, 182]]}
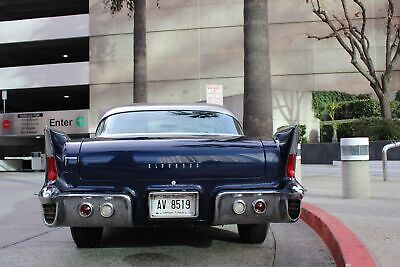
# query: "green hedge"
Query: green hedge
{"points": [[357, 109], [350, 106], [366, 108], [395, 105], [374, 128]]}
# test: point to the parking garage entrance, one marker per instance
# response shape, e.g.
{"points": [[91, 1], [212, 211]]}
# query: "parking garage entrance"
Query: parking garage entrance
{"points": [[22, 140], [28, 111]]}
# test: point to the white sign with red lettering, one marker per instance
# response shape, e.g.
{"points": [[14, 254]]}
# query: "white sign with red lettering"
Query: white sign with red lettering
{"points": [[215, 94]]}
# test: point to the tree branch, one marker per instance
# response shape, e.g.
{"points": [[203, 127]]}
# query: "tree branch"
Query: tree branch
{"points": [[357, 44], [325, 18], [363, 16], [359, 48], [392, 49], [364, 72], [331, 35], [364, 37], [363, 25], [364, 49], [396, 55], [359, 37], [388, 35], [396, 40]]}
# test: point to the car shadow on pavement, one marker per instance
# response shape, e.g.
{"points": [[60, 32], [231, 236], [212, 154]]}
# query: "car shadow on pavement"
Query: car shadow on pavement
{"points": [[198, 236]]}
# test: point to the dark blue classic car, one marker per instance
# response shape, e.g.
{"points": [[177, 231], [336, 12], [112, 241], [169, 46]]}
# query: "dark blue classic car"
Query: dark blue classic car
{"points": [[154, 165]]}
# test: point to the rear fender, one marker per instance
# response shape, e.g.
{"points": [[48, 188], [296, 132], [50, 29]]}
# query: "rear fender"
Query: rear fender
{"points": [[55, 142], [287, 139]]}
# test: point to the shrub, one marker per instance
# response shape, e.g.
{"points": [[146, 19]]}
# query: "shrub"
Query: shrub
{"points": [[377, 129], [395, 105], [364, 96], [347, 130], [374, 128], [302, 134], [357, 109], [348, 106], [326, 133], [364, 108]]}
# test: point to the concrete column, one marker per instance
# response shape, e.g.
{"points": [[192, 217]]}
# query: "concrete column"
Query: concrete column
{"points": [[111, 60], [355, 179], [355, 167]]}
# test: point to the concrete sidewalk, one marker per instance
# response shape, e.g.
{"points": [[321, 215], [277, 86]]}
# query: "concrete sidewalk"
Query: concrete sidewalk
{"points": [[375, 221]]}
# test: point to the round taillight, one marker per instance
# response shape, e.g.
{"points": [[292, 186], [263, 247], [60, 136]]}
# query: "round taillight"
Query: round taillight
{"points": [[259, 206], [85, 209], [106, 210], [239, 207]]}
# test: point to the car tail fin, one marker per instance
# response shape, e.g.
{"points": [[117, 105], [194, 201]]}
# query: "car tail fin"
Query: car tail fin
{"points": [[288, 138], [55, 142]]}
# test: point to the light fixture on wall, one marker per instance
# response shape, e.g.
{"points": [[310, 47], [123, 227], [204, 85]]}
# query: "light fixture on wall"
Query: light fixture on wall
{"points": [[66, 96], [65, 56]]}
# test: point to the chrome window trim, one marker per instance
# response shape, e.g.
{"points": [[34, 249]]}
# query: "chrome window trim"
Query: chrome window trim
{"points": [[141, 108], [167, 107], [172, 134]]}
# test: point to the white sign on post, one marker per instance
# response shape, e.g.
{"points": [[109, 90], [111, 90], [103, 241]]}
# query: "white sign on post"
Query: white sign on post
{"points": [[215, 94], [4, 95]]}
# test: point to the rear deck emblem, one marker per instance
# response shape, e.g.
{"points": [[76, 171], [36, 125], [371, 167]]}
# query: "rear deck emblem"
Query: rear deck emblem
{"points": [[192, 165]]}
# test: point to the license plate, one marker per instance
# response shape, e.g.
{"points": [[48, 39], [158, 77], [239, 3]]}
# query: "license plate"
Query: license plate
{"points": [[173, 204]]}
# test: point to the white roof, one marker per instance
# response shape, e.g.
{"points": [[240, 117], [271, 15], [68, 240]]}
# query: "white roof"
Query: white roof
{"points": [[150, 107]]}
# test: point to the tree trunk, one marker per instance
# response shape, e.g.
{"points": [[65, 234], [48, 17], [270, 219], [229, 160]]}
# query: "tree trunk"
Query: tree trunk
{"points": [[384, 101], [139, 53], [257, 99], [334, 136], [385, 107]]}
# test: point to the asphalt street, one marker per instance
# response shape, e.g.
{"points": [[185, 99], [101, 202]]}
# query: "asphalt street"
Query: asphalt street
{"points": [[25, 241]]}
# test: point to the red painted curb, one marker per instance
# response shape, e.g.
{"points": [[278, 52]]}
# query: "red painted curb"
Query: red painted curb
{"points": [[345, 247]]}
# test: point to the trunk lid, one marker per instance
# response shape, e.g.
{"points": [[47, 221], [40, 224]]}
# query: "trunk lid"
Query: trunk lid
{"points": [[154, 159]]}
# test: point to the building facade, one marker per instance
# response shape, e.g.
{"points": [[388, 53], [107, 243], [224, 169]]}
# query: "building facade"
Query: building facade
{"points": [[75, 55]]}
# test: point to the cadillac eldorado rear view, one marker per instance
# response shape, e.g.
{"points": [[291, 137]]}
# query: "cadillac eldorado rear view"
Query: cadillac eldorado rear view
{"points": [[157, 165]]}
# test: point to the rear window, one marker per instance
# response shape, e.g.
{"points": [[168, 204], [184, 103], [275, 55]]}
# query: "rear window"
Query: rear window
{"points": [[181, 122]]}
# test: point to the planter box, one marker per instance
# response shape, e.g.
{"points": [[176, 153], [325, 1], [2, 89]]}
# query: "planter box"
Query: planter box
{"points": [[326, 153]]}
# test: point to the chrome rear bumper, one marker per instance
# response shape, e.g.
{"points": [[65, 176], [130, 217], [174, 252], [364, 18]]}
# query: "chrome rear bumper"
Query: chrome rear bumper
{"points": [[282, 206], [62, 209]]}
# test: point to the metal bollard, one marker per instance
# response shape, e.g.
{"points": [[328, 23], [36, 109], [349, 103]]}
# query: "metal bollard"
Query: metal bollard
{"points": [[355, 167], [384, 158]]}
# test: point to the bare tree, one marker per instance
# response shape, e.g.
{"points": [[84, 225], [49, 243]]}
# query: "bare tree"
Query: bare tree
{"points": [[138, 9], [257, 98], [350, 31]]}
